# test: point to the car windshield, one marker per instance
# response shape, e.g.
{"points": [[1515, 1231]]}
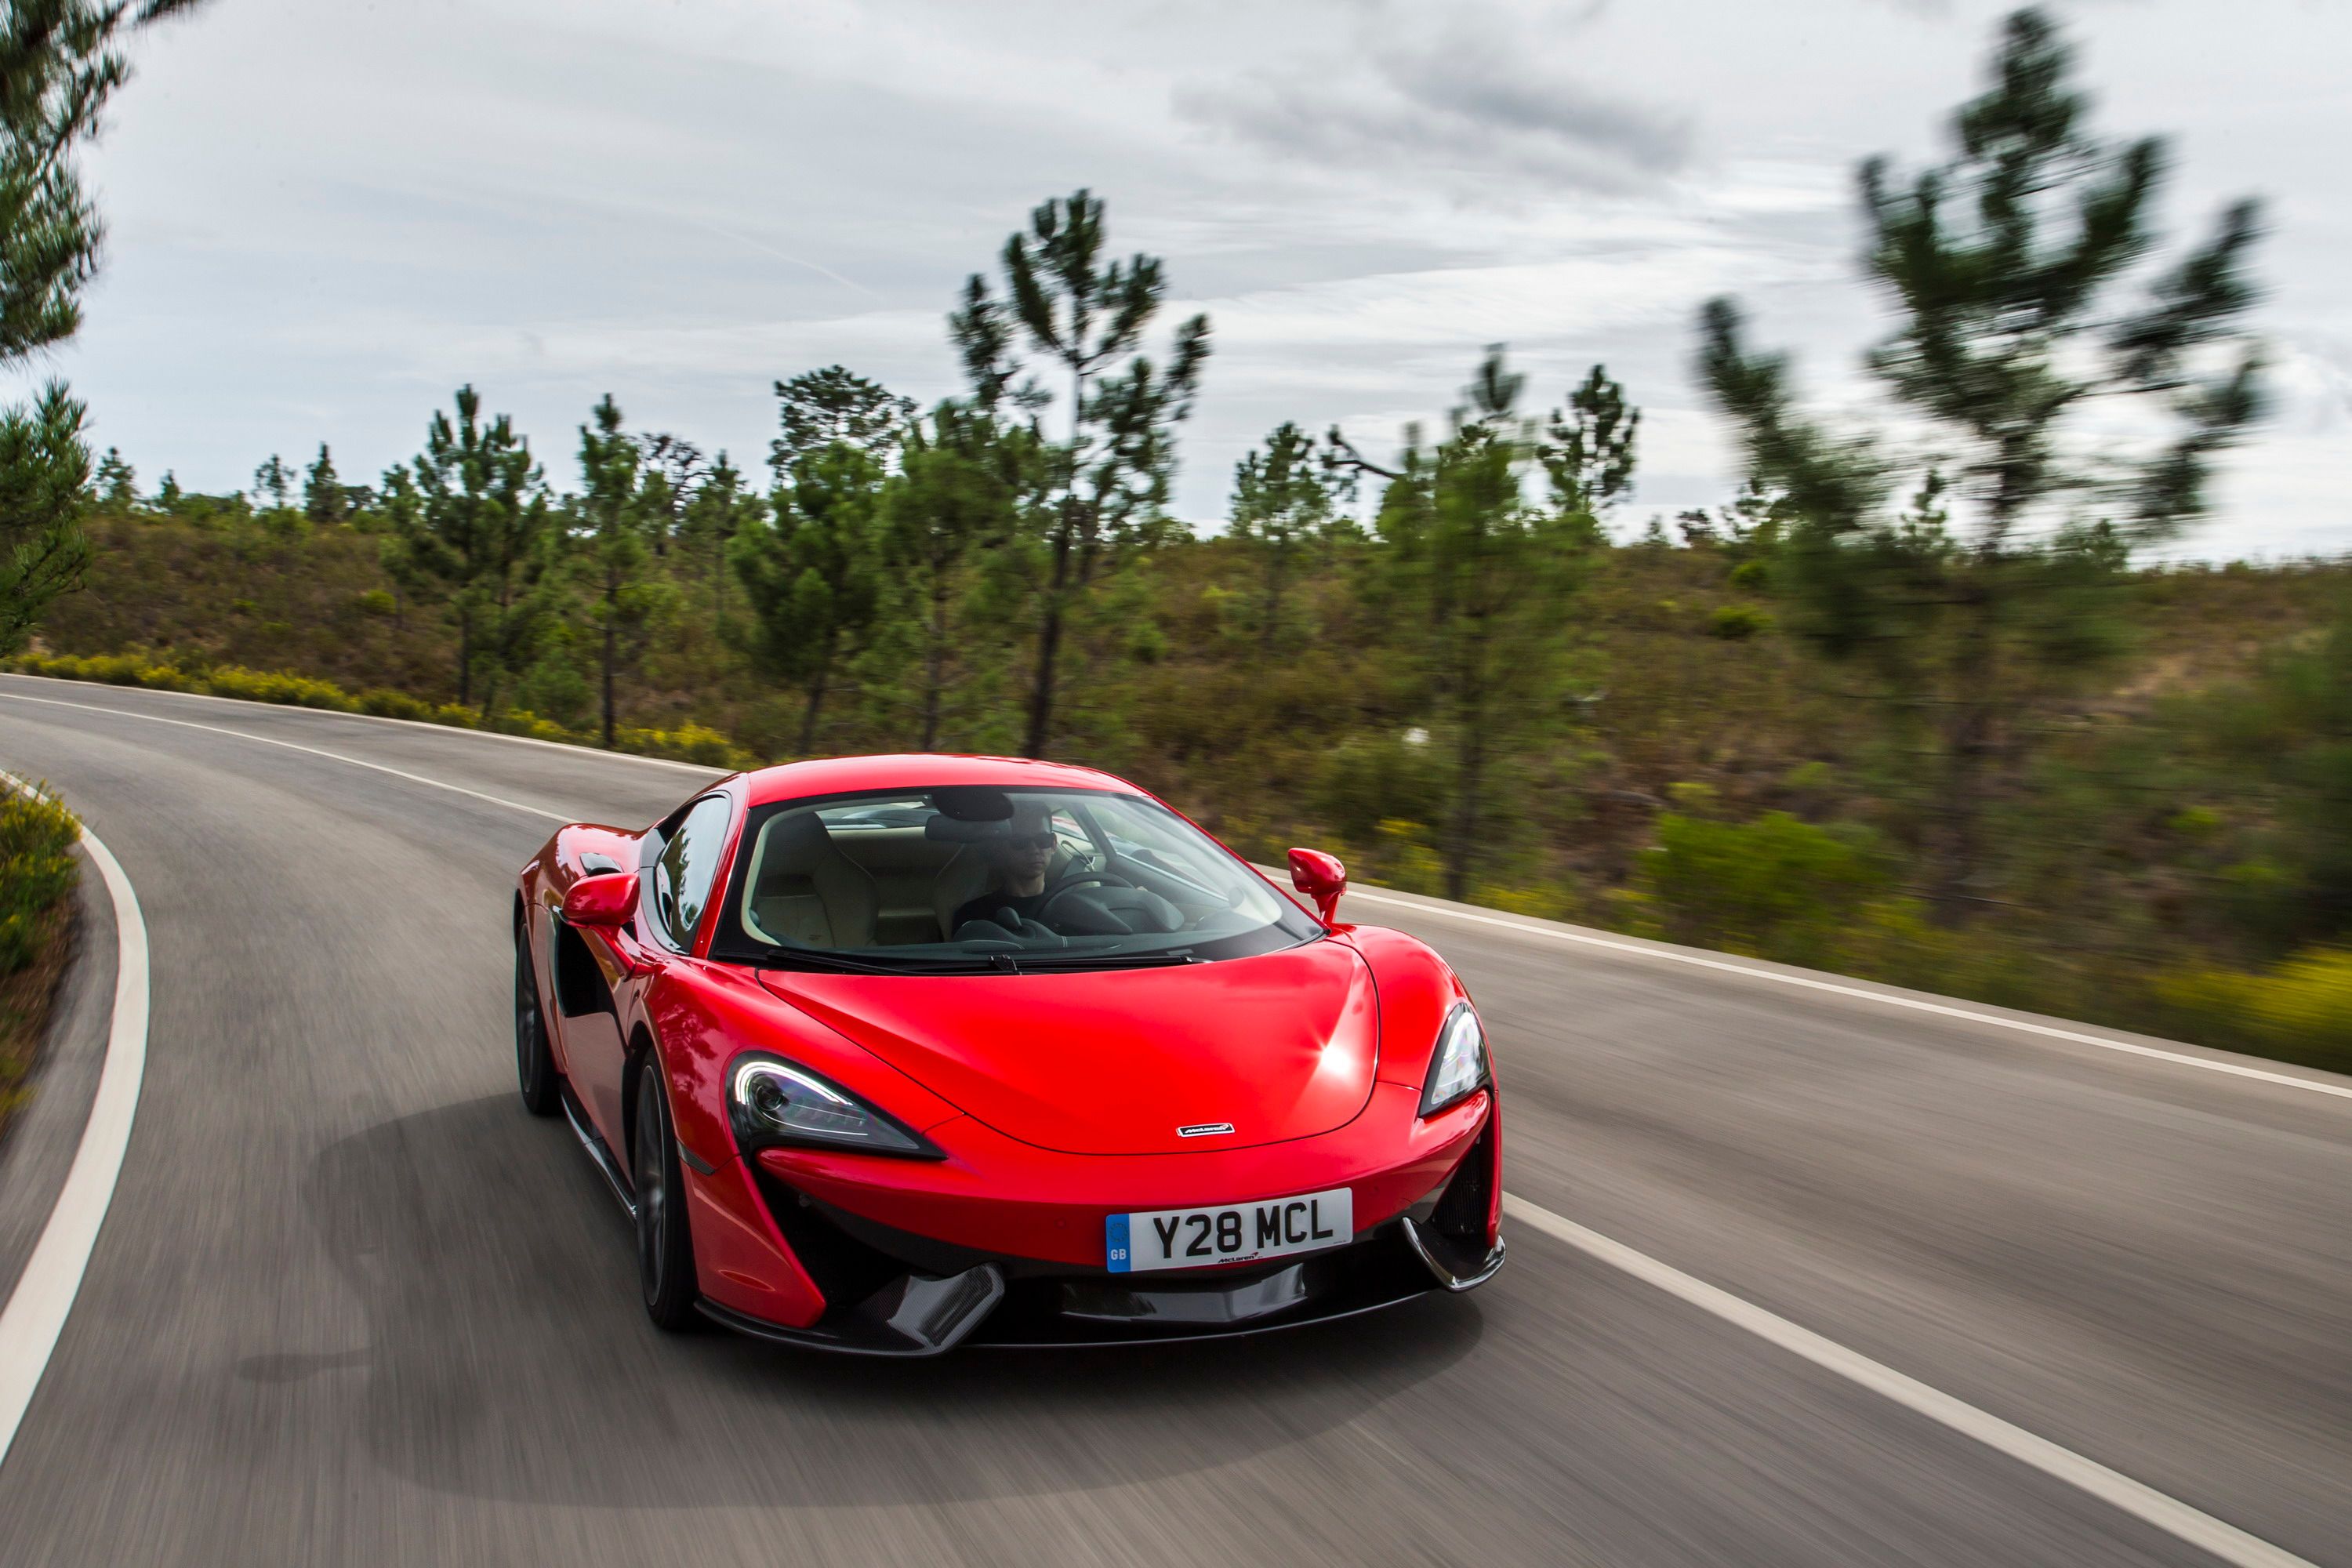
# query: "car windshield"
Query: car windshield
{"points": [[976, 878]]}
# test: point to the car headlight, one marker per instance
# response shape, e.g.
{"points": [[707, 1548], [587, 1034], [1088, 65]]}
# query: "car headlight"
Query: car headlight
{"points": [[773, 1101], [1458, 1069]]}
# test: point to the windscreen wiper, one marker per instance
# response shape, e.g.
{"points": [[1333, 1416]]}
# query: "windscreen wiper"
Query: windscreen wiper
{"points": [[836, 962], [1161, 959]]}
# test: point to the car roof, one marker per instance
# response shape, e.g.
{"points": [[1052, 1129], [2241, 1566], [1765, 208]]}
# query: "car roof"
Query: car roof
{"points": [[842, 775]]}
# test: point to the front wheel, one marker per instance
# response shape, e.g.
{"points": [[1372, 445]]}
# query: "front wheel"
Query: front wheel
{"points": [[534, 1058], [664, 1250]]}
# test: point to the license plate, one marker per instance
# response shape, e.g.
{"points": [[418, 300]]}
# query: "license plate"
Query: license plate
{"points": [[1228, 1233]]}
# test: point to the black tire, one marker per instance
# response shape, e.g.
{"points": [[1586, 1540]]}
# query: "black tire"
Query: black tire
{"points": [[665, 1248], [535, 1073]]}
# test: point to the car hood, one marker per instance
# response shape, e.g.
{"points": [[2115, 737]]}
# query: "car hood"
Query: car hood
{"points": [[1283, 1044]]}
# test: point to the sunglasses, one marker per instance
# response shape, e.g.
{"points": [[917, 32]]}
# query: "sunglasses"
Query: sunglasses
{"points": [[1035, 841]]}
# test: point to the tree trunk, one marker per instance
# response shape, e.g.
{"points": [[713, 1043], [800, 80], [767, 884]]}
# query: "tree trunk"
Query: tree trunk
{"points": [[934, 662], [1049, 635], [1470, 744], [490, 676], [466, 656], [1470, 769], [816, 700], [1273, 598], [719, 579], [611, 656], [1049, 643], [1967, 742]]}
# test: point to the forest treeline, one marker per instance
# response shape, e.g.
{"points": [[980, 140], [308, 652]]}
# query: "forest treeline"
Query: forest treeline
{"points": [[1904, 706]]}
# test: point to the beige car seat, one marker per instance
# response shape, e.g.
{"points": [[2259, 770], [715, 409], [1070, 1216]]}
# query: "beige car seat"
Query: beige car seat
{"points": [[806, 890]]}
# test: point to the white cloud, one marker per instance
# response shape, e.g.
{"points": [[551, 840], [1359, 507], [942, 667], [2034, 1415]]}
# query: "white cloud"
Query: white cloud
{"points": [[326, 217]]}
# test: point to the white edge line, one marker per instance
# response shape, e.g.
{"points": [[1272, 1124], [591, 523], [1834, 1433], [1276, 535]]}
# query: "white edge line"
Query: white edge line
{"points": [[292, 746], [2174, 1518], [1888, 998], [375, 719], [37, 1309]]}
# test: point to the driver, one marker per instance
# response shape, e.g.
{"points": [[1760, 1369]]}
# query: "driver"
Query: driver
{"points": [[1017, 864]]}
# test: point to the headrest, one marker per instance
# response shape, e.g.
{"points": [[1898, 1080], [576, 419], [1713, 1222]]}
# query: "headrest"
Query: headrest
{"points": [[1025, 817], [795, 844]]}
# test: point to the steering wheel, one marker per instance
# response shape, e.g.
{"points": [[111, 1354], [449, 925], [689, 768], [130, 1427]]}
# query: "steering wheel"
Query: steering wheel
{"points": [[1080, 879]]}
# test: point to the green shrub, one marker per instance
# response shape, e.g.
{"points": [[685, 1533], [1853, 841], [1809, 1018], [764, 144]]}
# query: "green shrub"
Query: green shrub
{"points": [[2300, 1010], [277, 686], [524, 721], [1776, 888], [2195, 822], [557, 688], [1403, 858], [1549, 903], [1367, 780], [1811, 778], [1735, 623], [385, 703], [36, 869], [687, 743]]}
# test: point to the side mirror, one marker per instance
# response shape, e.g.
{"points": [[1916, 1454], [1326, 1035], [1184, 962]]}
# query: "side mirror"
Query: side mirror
{"points": [[608, 899], [1321, 878]]}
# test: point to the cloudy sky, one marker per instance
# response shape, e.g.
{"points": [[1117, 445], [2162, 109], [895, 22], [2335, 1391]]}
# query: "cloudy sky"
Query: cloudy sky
{"points": [[327, 214]]}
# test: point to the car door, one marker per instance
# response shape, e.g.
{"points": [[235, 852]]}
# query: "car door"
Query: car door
{"points": [[677, 888]]}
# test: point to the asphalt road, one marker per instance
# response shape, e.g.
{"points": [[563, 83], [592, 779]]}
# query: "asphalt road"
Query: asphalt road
{"points": [[352, 1305]]}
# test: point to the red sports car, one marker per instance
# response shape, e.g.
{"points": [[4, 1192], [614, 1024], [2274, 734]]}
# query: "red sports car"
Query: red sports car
{"points": [[890, 1053]]}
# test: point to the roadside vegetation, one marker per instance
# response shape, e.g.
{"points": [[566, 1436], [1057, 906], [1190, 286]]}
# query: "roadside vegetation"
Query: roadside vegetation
{"points": [[1910, 705], [38, 877]]}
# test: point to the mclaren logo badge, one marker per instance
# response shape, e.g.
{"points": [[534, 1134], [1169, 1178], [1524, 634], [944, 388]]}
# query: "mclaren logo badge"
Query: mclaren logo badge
{"points": [[1205, 1130]]}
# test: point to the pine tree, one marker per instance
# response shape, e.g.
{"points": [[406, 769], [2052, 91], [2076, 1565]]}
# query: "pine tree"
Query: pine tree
{"points": [[1282, 505], [1108, 484], [822, 407], [115, 482], [672, 467], [813, 574], [622, 521], [1590, 454], [59, 64], [469, 516], [2004, 263], [324, 499], [44, 468], [1473, 578], [958, 495], [275, 479], [718, 510]]}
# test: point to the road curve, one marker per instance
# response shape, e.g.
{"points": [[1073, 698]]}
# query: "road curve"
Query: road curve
{"points": [[352, 1304]]}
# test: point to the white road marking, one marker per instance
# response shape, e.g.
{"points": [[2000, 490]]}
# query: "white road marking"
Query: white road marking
{"points": [[118, 1097], [1916, 1004], [44, 1292], [2174, 1518], [311, 750], [386, 719]]}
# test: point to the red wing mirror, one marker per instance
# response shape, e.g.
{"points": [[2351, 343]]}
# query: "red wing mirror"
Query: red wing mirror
{"points": [[1321, 878], [609, 898]]}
